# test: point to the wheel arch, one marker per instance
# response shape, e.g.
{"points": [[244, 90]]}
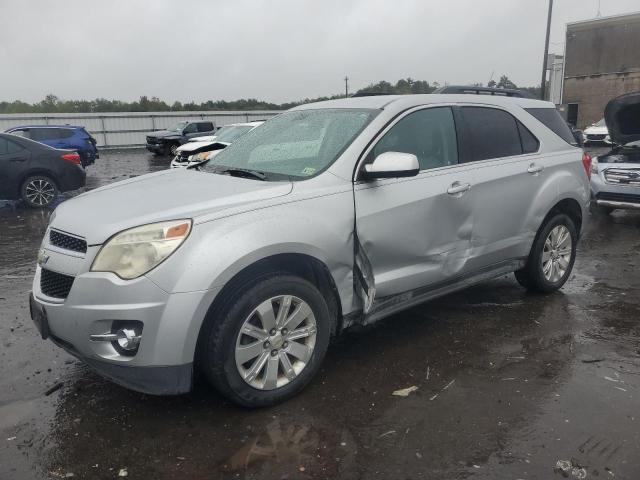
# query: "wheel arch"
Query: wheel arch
{"points": [[299, 264], [570, 207], [34, 172]]}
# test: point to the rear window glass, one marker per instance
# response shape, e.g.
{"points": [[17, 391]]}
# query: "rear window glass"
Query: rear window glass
{"points": [[493, 133], [554, 122]]}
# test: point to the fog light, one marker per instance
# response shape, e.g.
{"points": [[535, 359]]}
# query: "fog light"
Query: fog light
{"points": [[128, 339]]}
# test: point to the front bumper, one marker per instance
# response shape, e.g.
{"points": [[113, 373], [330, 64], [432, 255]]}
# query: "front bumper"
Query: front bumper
{"points": [[97, 301], [614, 196], [155, 147]]}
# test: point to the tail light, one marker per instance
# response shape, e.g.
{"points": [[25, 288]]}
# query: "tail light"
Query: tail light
{"points": [[71, 157], [586, 163]]}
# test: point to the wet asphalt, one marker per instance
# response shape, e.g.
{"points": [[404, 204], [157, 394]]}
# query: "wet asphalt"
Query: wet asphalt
{"points": [[510, 385]]}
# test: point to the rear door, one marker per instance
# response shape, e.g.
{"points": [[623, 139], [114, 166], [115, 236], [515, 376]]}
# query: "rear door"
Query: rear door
{"points": [[14, 162], [508, 174], [414, 232]]}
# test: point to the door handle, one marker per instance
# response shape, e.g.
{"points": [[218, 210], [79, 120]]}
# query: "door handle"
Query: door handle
{"points": [[17, 159], [457, 187], [533, 168]]}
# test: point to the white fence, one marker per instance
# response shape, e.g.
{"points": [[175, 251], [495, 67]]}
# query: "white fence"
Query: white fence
{"points": [[128, 129]]}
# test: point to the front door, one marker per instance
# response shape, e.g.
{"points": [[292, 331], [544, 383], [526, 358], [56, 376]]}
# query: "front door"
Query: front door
{"points": [[414, 232]]}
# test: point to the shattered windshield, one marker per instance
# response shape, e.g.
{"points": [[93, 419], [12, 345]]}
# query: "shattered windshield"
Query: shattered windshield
{"points": [[294, 144]]}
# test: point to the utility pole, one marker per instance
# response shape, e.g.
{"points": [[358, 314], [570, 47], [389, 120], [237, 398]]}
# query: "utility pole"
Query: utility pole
{"points": [[543, 82], [346, 87]]}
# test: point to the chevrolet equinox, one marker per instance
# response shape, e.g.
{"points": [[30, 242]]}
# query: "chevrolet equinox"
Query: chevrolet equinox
{"points": [[331, 214]]}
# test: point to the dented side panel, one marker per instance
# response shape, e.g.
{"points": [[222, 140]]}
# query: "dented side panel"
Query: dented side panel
{"points": [[413, 233]]}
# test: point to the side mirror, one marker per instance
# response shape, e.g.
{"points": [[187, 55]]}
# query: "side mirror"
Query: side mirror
{"points": [[392, 165]]}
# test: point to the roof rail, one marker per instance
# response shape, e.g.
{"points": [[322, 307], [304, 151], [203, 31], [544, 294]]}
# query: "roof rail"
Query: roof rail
{"points": [[473, 90]]}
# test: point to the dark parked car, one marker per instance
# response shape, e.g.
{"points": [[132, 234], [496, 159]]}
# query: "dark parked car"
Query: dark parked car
{"points": [[165, 142], [36, 172], [72, 137]]}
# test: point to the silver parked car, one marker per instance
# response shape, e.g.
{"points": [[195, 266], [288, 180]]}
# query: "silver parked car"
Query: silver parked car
{"points": [[615, 179], [330, 214]]}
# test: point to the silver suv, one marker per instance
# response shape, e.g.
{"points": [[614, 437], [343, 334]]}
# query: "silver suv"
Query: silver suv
{"points": [[330, 214]]}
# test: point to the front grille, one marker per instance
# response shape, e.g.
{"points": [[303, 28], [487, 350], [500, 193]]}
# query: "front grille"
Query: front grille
{"points": [[67, 242], [623, 176], [54, 284], [152, 140], [618, 197], [598, 136]]}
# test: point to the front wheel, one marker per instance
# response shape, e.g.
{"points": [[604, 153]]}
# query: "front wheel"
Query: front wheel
{"points": [[38, 191], [268, 341], [552, 256], [171, 149]]}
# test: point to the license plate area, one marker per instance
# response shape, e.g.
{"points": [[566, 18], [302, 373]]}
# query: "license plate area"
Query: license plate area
{"points": [[39, 317]]}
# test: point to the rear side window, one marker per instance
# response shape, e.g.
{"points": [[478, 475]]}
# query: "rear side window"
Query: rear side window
{"points": [[493, 133], [530, 144], [205, 127], [39, 134], [554, 122], [429, 134], [21, 133], [64, 132]]}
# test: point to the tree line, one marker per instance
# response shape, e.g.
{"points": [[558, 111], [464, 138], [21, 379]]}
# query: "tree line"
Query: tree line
{"points": [[53, 104]]}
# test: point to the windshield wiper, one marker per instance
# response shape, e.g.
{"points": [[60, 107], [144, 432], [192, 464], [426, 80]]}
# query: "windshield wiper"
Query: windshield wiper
{"points": [[246, 173]]}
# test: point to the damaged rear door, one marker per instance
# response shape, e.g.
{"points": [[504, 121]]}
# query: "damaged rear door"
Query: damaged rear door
{"points": [[414, 232]]}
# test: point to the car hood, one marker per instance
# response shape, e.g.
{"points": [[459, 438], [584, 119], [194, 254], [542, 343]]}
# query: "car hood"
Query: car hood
{"points": [[622, 115], [206, 138], [593, 130], [166, 195], [201, 146], [163, 133]]}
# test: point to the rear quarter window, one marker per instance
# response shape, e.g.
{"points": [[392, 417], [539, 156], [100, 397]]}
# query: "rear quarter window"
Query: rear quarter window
{"points": [[493, 133], [205, 127], [552, 119]]}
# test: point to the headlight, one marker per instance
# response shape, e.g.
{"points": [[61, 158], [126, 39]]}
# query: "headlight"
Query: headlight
{"points": [[201, 157], [594, 165], [132, 253]]}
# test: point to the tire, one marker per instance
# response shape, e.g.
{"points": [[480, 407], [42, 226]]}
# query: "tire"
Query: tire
{"points": [[276, 367], [170, 149], [38, 191], [552, 257]]}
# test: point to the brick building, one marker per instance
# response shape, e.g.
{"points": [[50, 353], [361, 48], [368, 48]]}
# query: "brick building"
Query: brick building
{"points": [[602, 61]]}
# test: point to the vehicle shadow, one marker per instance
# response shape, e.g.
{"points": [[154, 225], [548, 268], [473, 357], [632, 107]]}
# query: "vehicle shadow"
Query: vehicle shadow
{"points": [[464, 352]]}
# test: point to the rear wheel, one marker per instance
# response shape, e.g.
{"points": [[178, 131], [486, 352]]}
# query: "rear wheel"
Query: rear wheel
{"points": [[38, 191], [268, 340], [552, 256]]}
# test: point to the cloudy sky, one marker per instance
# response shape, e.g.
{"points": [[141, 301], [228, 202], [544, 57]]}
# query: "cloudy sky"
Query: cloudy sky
{"points": [[277, 50]]}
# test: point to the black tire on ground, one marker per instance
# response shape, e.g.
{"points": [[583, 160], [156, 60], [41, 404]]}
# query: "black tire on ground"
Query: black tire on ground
{"points": [[38, 191], [217, 346], [170, 149], [532, 276]]}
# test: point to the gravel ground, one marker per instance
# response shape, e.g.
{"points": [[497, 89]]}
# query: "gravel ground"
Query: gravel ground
{"points": [[510, 385]]}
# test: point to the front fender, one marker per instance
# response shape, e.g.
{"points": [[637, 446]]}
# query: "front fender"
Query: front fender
{"points": [[216, 251]]}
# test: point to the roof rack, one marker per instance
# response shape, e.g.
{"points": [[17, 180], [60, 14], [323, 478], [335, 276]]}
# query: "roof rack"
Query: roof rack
{"points": [[503, 92]]}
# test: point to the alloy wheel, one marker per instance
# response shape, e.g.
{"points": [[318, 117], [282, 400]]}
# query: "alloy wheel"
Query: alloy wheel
{"points": [[556, 254], [40, 192], [275, 342]]}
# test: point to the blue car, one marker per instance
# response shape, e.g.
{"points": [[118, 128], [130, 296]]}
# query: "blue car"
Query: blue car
{"points": [[62, 136]]}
